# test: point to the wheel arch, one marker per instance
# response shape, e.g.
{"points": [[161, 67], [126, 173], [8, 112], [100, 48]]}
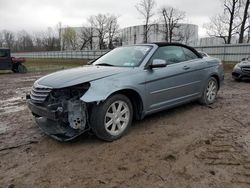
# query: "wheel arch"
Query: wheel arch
{"points": [[217, 79], [135, 99]]}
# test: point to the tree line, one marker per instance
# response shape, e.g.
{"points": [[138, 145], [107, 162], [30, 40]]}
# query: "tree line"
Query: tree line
{"points": [[22, 41], [102, 30]]}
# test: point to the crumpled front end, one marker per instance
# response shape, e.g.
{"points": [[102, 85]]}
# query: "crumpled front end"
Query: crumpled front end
{"points": [[59, 112]]}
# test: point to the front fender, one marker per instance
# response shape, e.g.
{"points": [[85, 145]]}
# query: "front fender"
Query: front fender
{"points": [[101, 90]]}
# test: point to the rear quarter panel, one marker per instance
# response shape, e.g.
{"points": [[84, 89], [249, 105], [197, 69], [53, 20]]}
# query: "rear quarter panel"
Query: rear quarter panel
{"points": [[214, 67]]}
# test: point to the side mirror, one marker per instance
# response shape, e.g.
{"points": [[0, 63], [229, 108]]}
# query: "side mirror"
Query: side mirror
{"points": [[158, 63], [243, 59]]}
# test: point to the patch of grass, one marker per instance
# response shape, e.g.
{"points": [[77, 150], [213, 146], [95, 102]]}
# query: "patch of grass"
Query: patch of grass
{"points": [[35, 65]]}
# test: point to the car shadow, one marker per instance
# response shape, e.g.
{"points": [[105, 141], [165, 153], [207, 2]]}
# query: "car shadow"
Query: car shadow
{"points": [[90, 138], [168, 112]]}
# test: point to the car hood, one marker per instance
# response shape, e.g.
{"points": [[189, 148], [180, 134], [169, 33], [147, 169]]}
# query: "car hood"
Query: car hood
{"points": [[75, 76], [244, 63]]}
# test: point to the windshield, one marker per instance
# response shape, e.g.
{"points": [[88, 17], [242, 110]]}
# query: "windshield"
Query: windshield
{"points": [[130, 56]]}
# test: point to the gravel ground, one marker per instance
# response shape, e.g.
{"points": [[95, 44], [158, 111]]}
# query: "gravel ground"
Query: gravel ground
{"points": [[189, 146]]}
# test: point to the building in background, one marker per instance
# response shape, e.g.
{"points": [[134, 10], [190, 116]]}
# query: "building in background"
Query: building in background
{"points": [[185, 33], [84, 38]]}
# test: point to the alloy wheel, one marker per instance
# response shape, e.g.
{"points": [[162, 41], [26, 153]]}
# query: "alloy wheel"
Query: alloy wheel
{"points": [[117, 118], [212, 89]]}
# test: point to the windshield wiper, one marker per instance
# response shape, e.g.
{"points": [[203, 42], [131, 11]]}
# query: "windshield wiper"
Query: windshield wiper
{"points": [[104, 64]]}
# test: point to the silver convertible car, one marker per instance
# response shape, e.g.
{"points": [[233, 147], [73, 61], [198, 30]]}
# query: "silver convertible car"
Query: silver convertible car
{"points": [[127, 83]]}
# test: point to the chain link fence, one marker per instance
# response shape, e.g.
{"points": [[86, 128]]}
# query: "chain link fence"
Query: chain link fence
{"points": [[227, 53], [90, 54]]}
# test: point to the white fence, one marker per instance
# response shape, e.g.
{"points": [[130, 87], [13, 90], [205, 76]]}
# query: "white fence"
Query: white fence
{"points": [[93, 54], [227, 53]]}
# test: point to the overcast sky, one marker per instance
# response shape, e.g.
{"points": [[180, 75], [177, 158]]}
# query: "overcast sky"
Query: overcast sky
{"points": [[35, 15]]}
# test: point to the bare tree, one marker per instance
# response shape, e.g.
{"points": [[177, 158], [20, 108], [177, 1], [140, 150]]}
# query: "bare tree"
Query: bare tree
{"points": [[225, 25], [231, 8], [1, 39], [59, 31], [244, 19], [86, 36], [217, 28], [171, 18], [23, 42], [37, 41], [50, 40], [146, 9], [248, 30], [9, 38], [112, 30], [99, 22], [103, 26]]}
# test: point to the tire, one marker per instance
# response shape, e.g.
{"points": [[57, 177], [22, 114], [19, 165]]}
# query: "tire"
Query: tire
{"points": [[210, 92], [15, 68], [108, 125], [237, 79], [21, 68]]}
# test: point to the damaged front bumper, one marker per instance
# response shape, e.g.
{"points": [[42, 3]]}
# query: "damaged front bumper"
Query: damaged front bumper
{"points": [[53, 123]]}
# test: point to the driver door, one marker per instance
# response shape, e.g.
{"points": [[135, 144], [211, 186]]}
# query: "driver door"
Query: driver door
{"points": [[179, 81]]}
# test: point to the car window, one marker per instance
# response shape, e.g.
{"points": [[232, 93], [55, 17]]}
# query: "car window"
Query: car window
{"points": [[3, 54], [128, 56], [189, 54], [172, 54]]}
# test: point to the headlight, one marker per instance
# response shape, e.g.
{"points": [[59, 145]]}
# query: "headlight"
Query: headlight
{"points": [[79, 90], [70, 92], [237, 67]]}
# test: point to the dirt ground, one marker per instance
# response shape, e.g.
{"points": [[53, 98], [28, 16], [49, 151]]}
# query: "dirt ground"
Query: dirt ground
{"points": [[189, 146]]}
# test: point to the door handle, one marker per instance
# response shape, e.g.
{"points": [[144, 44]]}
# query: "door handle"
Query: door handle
{"points": [[186, 67]]}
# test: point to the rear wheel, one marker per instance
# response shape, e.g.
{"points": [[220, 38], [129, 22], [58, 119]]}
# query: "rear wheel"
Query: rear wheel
{"points": [[21, 68], [15, 67], [111, 119], [210, 92]]}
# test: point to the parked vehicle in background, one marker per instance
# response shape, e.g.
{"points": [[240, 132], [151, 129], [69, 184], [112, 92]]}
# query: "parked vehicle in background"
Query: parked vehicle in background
{"points": [[127, 83], [241, 70], [203, 54], [11, 63]]}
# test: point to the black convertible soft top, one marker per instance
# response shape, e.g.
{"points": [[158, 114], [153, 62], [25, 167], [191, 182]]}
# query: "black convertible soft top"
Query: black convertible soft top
{"points": [[161, 44]]}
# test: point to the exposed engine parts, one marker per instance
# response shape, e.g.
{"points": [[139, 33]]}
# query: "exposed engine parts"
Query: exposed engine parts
{"points": [[77, 117]]}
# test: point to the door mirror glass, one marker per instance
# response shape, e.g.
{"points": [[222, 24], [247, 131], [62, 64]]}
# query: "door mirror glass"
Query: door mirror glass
{"points": [[157, 63]]}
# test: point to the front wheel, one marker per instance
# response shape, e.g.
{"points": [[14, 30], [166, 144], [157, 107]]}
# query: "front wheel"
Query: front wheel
{"points": [[111, 119], [210, 92]]}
